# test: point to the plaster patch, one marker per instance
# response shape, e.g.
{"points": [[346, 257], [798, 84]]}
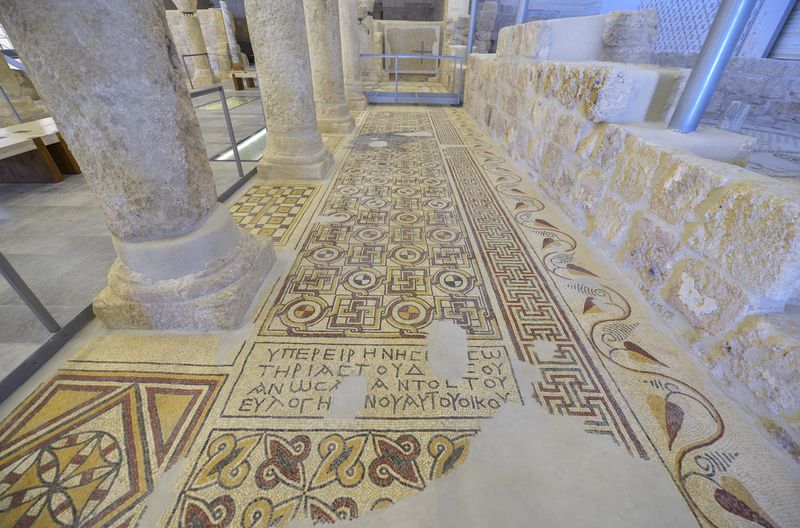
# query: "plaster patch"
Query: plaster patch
{"points": [[447, 350], [693, 299]]}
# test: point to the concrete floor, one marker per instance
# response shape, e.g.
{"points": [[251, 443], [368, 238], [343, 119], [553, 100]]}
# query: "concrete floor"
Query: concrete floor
{"points": [[423, 353], [50, 232]]}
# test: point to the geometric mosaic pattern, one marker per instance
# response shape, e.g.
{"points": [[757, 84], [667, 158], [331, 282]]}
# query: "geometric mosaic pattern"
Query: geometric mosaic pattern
{"points": [[83, 450], [423, 221], [273, 210], [396, 257]]}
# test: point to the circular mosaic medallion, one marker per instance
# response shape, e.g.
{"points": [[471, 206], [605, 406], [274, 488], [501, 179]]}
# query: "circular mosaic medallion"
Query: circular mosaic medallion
{"points": [[375, 202], [362, 280], [406, 191], [378, 180], [409, 314], [437, 203], [407, 255], [325, 254], [453, 281], [444, 235], [302, 312], [430, 181], [407, 218], [370, 235], [349, 190]]}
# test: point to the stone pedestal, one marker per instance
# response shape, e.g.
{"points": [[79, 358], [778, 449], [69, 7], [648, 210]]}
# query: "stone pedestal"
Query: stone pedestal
{"points": [[294, 145], [182, 262], [351, 60], [230, 32], [202, 76], [325, 50]]}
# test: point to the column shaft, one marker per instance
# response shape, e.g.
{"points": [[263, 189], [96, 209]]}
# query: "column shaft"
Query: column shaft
{"points": [[182, 261], [203, 76], [351, 60], [294, 145], [325, 50], [230, 31]]}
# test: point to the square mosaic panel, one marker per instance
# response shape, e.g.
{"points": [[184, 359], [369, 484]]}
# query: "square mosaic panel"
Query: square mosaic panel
{"points": [[273, 210]]}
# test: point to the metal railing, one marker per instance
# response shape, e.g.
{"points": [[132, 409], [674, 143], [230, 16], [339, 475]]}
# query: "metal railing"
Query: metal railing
{"points": [[453, 97], [208, 59]]}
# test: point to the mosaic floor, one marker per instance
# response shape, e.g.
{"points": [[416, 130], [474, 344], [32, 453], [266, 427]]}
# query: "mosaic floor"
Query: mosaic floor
{"points": [[424, 222]]}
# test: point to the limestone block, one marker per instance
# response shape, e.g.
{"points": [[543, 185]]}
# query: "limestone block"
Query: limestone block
{"points": [[589, 186], [508, 40], [603, 92], [763, 354], [535, 40], [684, 183], [611, 219], [628, 36], [752, 229], [569, 130], [708, 300], [635, 168], [651, 251], [575, 38], [602, 146]]}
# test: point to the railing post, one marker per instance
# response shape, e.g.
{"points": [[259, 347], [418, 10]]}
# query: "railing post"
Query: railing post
{"points": [[473, 21], [718, 47], [522, 11], [231, 134], [27, 296]]}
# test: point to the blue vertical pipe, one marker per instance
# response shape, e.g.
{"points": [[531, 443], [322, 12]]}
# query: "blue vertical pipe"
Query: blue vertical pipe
{"points": [[522, 11], [720, 44], [473, 21]]}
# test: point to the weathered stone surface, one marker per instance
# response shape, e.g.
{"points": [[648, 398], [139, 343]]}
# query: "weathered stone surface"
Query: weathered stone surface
{"points": [[182, 262], [708, 300], [763, 354], [612, 219], [535, 41], [635, 169], [325, 50], [685, 182], [351, 62], [753, 231], [602, 146], [628, 36], [588, 188], [216, 40], [294, 146], [651, 251]]}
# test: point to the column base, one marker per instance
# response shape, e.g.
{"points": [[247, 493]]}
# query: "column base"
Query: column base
{"points": [[203, 78], [183, 283], [295, 158], [334, 118], [357, 102]]}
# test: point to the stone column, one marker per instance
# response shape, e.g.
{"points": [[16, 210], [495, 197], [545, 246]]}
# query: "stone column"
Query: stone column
{"points": [[182, 261], [351, 60], [230, 31], [202, 76], [325, 50], [294, 145], [216, 39], [27, 108]]}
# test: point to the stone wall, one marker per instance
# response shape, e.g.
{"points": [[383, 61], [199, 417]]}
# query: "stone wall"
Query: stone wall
{"points": [[712, 246], [770, 86]]}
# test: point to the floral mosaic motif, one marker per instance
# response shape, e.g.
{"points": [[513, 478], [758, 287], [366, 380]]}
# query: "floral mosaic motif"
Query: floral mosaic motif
{"points": [[322, 475]]}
